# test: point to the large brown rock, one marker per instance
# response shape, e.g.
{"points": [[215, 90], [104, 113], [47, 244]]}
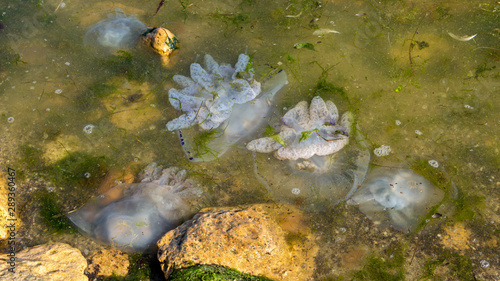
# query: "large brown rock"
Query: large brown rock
{"points": [[51, 261], [272, 240], [105, 263]]}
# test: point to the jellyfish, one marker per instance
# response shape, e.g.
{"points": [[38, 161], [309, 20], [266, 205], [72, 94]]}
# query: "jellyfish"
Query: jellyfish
{"points": [[118, 32], [326, 156], [134, 216], [220, 106], [396, 197]]}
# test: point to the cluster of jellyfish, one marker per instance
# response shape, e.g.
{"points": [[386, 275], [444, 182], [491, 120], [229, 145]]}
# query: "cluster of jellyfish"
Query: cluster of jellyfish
{"points": [[327, 158]]}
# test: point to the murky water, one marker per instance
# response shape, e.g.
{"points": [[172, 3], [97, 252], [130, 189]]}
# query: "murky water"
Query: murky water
{"points": [[394, 64]]}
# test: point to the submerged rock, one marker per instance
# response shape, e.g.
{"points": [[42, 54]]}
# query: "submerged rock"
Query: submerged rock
{"points": [[396, 197], [105, 263], [134, 216], [266, 240], [161, 40], [220, 106], [51, 261]]}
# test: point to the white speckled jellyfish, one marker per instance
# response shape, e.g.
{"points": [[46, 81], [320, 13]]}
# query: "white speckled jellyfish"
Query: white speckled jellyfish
{"points": [[327, 158], [396, 197], [220, 105], [118, 32], [134, 216]]}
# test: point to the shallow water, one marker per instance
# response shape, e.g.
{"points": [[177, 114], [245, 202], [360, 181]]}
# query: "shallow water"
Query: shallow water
{"points": [[393, 64]]}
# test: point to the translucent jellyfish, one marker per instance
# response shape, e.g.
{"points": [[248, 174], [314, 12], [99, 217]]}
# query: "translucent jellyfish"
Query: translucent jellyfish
{"points": [[327, 157], [396, 197], [220, 106], [134, 216], [118, 32]]}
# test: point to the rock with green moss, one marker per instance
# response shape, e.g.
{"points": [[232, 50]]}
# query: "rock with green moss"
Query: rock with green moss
{"points": [[270, 240]]}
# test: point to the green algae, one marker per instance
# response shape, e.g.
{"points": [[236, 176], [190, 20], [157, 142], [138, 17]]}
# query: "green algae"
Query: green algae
{"points": [[459, 267], [52, 214], [78, 169], [388, 266], [212, 273]]}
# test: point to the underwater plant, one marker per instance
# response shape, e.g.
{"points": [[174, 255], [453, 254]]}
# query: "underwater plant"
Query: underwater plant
{"points": [[134, 216], [224, 102], [396, 197]]}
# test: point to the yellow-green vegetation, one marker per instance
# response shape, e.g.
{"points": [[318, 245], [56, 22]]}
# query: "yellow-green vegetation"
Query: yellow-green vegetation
{"points": [[388, 266], [269, 132], [294, 238], [326, 89], [460, 267], [78, 169], [212, 273], [31, 158]]}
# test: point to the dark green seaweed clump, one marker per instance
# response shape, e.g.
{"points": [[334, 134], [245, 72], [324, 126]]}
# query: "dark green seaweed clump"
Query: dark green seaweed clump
{"points": [[387, 267], [52, 214], [80, 169], [212, 273]]}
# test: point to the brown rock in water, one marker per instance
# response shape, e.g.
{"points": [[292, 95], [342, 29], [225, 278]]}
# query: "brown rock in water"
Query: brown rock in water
{"points": [[51, 261], [104, 263], [161, 40], [270, 240]]}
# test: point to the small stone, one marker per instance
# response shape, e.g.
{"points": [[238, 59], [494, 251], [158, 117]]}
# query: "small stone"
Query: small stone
{"points": [[105, 263]]}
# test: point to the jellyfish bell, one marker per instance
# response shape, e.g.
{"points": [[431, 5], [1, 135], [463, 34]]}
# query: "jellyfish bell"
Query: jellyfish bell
{"points": [[396, 197], [220, 106], [326, 157], [133, 216], [118, 32]]}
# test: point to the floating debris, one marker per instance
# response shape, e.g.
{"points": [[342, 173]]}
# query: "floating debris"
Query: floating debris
{"points": [[384, 150], [437, 215], [434, 163], [324, 31], [88, 129], [304, 45], [462, 38]]}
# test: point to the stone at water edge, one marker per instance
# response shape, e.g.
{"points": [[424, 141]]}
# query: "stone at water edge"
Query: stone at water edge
{"points": [[263, 240], [51, 261]]}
